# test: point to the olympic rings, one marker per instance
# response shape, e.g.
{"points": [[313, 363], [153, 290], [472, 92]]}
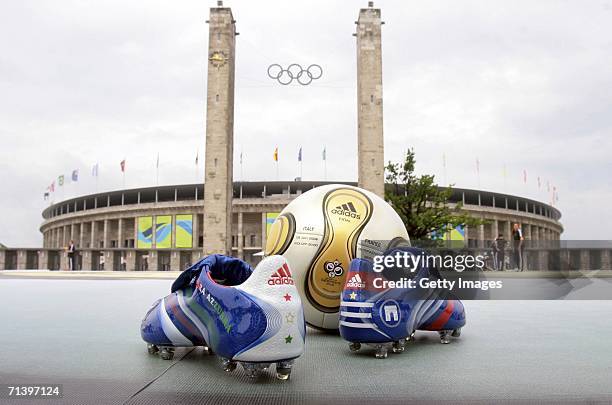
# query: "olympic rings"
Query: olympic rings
{"points": [[294, 72]]}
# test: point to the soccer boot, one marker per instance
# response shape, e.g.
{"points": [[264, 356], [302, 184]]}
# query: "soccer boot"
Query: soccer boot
{"points": [[385, 315], [245, 316]]}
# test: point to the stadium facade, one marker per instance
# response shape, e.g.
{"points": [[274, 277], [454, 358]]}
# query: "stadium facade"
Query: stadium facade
{"points": [[162, 228], [169, 227]]}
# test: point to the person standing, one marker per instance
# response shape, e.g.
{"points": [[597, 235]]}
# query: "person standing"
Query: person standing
{"points": [[518, 240], [499, 252], [71, 253]]}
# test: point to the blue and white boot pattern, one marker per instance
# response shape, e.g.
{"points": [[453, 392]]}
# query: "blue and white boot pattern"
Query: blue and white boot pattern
{"points": [[388, 318], [251, 317]]}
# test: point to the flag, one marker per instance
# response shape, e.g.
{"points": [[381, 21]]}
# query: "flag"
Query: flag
{"points": [[276, 154], [46, 196], [324, 153], [300, 155], [60, 180], [197, 157], [94, 170], [75, 175], [240, 157], [157, 164], [122, 165], [52, 187], [539, 183], [524, 176]]}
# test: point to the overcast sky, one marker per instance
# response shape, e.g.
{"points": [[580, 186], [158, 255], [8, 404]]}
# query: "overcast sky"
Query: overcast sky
{"points": [[523, 84]]}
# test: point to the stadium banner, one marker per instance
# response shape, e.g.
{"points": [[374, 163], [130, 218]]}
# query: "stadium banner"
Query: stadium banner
{"points": [[163, 233], [184, 231], [145, 233], [457, 233], [454, 234], [270, 218]]}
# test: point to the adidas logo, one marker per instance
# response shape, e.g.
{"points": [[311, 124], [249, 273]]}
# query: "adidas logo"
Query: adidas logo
{"points": [[347, 210], [355, 282], [281, 276]]}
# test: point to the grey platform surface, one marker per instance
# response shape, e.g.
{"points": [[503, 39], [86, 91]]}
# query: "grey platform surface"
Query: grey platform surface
{"points": [[84, 334]]}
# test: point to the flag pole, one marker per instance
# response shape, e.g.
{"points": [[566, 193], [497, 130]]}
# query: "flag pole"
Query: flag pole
{"points": [[325, 162], [444, 167], [197, 163], [478, 171], [157, 171]]}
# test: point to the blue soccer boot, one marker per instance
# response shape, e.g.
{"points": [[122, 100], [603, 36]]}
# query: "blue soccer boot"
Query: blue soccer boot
{"points": [[246, 316], [381, 310]]}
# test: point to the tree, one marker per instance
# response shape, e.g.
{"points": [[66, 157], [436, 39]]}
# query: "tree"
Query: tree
{"points": [[420, 203]]}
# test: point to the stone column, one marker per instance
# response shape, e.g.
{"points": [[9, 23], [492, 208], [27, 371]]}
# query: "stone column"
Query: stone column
{"points": [[130, 260], [481, 236], [81, 235], [264, 228], [218, 166], [120, 233], [92, 241], [63, 254], [43, 260], [64, 236], [153, 232], [543, 259], [195, 231], [153, 265], [109, 260], [370, 146], [175, 261], [87, 257], [606, 260], [528, 231], [72, 233], [2, 259], [240, 237], [105, 233], [565, 260], [136, 232], [585, 260], [495, 228], [22, 256]]}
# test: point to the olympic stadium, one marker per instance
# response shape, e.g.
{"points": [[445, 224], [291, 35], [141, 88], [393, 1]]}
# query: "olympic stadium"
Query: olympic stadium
{"points": [[114, 230]]}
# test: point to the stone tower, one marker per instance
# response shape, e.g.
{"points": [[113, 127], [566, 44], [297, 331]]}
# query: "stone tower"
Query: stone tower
{"points": [[218, 177], [369, 101]]}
